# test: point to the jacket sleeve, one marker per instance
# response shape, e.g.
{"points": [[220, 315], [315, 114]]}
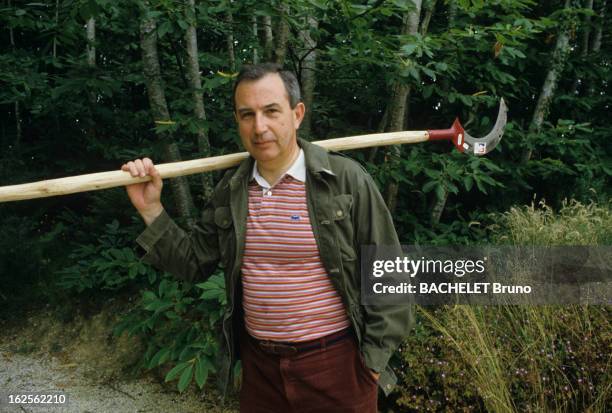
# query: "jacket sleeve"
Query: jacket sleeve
{"points": [[190, 257], [385, 325]]}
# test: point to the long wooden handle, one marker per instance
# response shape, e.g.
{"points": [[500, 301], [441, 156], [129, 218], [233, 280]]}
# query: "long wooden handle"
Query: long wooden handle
{"points": [[102, 180]]}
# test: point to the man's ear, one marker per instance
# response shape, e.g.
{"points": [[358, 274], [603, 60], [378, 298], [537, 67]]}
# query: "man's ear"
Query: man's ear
{"points": [[298, 111]]}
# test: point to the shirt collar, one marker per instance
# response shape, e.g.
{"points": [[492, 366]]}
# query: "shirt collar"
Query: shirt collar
{"points": [[297, 171]]}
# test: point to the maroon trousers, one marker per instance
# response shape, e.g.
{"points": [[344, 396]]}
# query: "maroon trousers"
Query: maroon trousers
{"points": [[329, 379]]}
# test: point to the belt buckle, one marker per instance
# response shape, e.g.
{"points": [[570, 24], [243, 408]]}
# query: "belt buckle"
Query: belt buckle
{"points": [[277, 348]]}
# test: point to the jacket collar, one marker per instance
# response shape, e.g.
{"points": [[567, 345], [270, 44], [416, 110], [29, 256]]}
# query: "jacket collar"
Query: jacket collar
{"points": [[317, 158], [243, 172], [317, 162]]}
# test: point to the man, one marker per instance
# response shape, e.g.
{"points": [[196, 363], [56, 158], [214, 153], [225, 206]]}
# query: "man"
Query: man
{"points": [[287, 226]]}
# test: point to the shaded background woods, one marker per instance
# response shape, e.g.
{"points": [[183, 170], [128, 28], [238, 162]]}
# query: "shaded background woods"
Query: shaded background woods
{"points": [[87, 85]]}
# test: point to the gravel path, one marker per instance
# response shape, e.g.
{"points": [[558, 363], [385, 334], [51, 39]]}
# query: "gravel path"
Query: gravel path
{"points": [[46, 357], [25, 373]]}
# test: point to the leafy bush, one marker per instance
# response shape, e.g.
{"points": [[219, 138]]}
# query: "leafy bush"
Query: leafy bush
{"points": [[107, 264], [180, 328], [177, 322]]}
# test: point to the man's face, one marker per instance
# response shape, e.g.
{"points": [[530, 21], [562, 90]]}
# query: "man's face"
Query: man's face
{"points": [[266, 123]]}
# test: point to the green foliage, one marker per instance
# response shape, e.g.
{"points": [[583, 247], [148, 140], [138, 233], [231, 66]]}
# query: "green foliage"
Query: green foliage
{"points": [[180, 328], [105, 265]]}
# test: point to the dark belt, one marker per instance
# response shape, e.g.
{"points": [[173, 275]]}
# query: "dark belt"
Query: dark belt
{"points": [[286, 349]]}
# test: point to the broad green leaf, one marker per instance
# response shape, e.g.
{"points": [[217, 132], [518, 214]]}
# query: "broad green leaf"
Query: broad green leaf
{"points": [[172, 374], [452, 188], [468, 182], [409, 49], [185, 378], [429, 186], [441, 192], [201, 373], [159, 358]]}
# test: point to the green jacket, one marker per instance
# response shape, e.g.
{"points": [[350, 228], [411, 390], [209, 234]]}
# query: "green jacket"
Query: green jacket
{"points": [[346, 211]]}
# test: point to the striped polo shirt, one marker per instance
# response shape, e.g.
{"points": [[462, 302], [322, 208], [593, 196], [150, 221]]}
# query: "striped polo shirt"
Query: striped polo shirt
{"points": [[287, 294]]}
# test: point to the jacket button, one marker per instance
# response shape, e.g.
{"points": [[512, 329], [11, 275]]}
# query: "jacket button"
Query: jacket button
{"points": [[225, 222], [388, 387], [339, 212]]}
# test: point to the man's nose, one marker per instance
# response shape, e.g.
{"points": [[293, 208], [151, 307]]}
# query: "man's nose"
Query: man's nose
{"points": [[261, 124]]}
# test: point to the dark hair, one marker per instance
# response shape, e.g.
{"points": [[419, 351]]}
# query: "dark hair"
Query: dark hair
{"points": [[256, 72]]}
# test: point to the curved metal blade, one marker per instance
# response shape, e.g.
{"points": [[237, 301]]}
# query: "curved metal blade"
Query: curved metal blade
{"points": [[482, 146]]}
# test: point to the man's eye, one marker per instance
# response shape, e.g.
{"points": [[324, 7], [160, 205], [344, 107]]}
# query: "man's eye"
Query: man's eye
{"points": [[246, 115]]}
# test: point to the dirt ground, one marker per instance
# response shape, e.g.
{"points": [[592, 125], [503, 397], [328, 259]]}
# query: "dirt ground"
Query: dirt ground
{"points": [[85, 361]]}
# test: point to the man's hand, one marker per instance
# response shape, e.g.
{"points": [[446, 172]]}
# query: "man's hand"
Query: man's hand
{"points": [[374, 374], [145, 196]]}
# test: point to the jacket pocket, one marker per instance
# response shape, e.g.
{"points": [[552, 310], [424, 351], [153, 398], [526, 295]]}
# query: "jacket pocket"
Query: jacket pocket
{"points": [[343, 225], [225, 234], [223, 217]]}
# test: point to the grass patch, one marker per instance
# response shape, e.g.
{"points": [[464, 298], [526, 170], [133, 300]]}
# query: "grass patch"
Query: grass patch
{"points": [[516, 358]]}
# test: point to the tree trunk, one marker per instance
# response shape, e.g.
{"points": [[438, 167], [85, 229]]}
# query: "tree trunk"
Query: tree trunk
{"points": [[586, 32], [282, 35], [439, 202], [195, 83], [159, 110], [91, 52], [597, 36], [309, 74], [584, 44], [599, 27], [559, 57], [11, 35], [91, 40], [438, 207], [452, 13], [17, 109], [397, 105], [429, 7], [382, 126], [91, 62], [18, 131], [229, 39], [256, 37], [56, 29], [269, 38]]}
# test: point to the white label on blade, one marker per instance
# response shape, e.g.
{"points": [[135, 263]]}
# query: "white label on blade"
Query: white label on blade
{"points": [[480, 148]]}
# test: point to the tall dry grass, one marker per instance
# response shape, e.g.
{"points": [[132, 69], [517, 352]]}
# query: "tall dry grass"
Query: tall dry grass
{"points": [[539, 225], [538, 358]]}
